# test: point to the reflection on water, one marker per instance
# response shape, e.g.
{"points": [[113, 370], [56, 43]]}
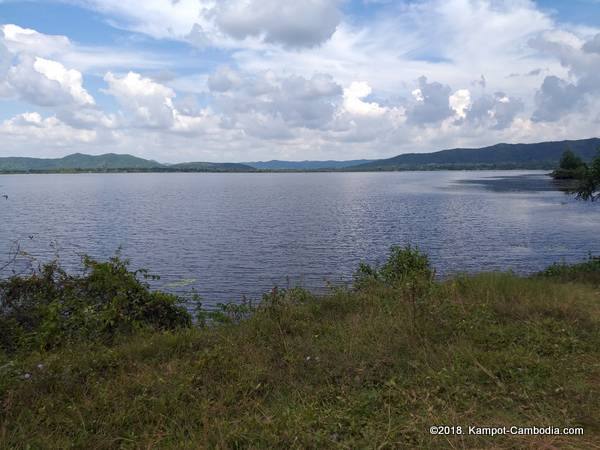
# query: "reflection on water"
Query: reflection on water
{"points": [[232, 234]]}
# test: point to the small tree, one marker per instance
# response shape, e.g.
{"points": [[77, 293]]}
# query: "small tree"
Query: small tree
{"points": [[571, 167], [570, 161], [589, 188]]}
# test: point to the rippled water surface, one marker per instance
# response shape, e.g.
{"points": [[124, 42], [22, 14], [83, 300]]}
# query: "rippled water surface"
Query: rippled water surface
{"points": [[229, 235]]}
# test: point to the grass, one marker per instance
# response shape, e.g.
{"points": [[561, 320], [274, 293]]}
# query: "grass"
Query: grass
{"points": [[373, 367]]}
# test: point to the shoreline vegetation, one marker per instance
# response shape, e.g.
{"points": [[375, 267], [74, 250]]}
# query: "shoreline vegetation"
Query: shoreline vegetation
{"points": [[539, 156], [97, 360], [577, 177]]}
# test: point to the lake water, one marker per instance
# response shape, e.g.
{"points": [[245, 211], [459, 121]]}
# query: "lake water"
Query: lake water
{"points": [[228, 235]]}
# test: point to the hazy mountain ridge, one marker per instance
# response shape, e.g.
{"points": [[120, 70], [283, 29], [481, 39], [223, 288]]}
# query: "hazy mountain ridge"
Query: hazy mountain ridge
{"points": [[544, 155], [539, 155], [211, 167], [305, 165]]}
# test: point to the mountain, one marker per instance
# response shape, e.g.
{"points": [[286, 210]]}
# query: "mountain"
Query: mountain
{"points": [[305, 165], [111, 162], [211, 167], [77, 161], [545, 155]]}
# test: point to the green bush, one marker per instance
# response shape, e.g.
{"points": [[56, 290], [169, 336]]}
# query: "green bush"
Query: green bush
{"points": [[585, 272], [589, 187], [404, 265], [571, 167], [52, 307]]}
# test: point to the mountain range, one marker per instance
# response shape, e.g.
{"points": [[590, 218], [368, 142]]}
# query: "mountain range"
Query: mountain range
{"points": [[306, 165], [111, 162], [545, 155]]}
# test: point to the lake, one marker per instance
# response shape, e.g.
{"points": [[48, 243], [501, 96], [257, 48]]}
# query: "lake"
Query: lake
{"points": [[229, 235]]}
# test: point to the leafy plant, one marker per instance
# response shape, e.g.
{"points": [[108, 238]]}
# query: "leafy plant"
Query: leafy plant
{"points": [[52, 307], [571, 167], [404, 264], [585, 272], [589, 188]]}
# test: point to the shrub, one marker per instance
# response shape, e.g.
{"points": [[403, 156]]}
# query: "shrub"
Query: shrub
{"points": [[589, 187], [404, 265], [571, 167], [585, 272], [52, 307]]}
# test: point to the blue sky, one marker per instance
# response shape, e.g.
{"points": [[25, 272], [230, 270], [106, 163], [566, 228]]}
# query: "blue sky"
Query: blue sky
{"points": [[240, 80]]}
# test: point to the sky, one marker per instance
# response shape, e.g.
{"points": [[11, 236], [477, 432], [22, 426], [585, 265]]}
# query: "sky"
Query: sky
{"points": [[249, 80]]}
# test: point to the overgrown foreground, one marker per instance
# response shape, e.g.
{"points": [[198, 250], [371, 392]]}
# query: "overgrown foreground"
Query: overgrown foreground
{"points": [[370, 367]]}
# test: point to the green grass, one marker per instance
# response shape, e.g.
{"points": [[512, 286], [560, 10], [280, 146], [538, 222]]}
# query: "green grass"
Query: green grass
{"points": [[370, 368]]}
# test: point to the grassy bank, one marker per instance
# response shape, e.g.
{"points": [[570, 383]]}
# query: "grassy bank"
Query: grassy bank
{"points": [[371, 367]]}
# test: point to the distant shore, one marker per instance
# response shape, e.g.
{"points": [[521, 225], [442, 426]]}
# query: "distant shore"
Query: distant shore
{"points": [[539, 156], [325, 170]]}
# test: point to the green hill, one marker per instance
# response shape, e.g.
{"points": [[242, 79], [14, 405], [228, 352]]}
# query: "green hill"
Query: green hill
{"points": [[77, 161], [545, 155]]}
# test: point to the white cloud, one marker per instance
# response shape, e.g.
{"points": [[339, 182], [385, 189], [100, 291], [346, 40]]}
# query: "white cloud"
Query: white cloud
{"points": [[24, 41], [31, 127], [497, 111], [580, 89], [295, 101], [292, 23], [460, 102], [593, 45], [353, 100], [19, 39], [150, 103], [223, 80], [277, 89], [172, 19], [69, 80], [47, 83], [432, 103]]}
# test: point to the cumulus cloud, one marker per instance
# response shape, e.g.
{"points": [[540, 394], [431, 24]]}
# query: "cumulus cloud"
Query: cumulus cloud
{"points": [[87, 118], [294, 101], [36, 79], [555, 98], [45, 82], [593, 46], [223, 80], [497, 111], [5, 63], [19, 39], [432, 103], [150, 103], [32, 126], [292, 23], [460, 102], [559, 96], [354, 103]]}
